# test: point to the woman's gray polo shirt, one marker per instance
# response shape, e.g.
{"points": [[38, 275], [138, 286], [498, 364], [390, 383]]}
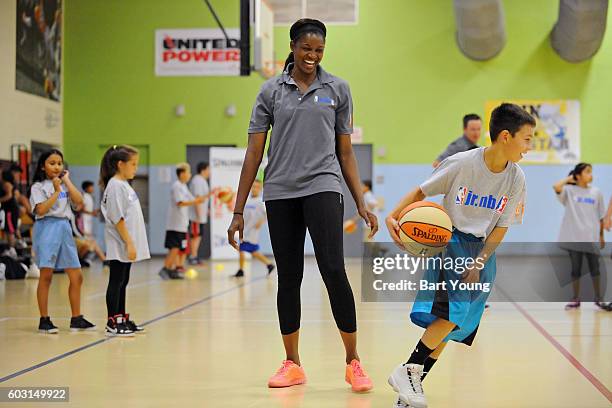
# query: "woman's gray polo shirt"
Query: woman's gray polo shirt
{"points": [[302, 151]]}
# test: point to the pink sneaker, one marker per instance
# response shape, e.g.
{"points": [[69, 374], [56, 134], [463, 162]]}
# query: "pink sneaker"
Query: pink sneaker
{"points": [[357, 377], [287, 375], [573, 304]]}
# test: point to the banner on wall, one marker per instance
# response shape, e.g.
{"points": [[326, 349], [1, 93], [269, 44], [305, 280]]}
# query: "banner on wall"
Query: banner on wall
{"points": [[225, 167], [197, 52], [38, 56], [557, 134]]}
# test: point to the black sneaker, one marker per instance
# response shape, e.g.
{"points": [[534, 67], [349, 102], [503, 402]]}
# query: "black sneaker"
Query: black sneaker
{"points": [[602, 305], [239, 274], [80, 324], [608, 307], [194, 261], [165, 273], [116, 327], [132, 325], [573, 304], [175, 275], [270, 268], [46, 326]]}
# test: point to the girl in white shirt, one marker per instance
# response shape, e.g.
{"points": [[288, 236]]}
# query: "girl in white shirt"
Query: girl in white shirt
{"points": [[582, 228], [124, 233]]}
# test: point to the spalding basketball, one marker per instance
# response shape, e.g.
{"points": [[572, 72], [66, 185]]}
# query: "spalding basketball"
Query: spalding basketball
{"points": [[225, 195], [350, 226], [425, 228]]}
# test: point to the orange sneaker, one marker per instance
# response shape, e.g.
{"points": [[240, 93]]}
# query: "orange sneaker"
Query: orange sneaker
{"points": [[357, 377], [287, 375]]}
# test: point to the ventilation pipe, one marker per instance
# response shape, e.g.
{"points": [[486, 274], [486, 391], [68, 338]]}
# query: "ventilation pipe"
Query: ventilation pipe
{"points": [[481, 30], [580, 29]]}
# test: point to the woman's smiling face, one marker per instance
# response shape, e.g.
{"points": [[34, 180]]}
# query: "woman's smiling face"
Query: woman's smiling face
{"points": [[308, 52]]}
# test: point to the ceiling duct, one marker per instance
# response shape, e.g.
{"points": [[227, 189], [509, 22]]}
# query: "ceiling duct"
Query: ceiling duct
{"points": [[481, 29], [580, 29]]}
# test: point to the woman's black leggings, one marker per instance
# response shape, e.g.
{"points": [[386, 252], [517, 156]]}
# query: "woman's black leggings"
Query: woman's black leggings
{"points": [[117, 283], [576, 258], [288, 220]]}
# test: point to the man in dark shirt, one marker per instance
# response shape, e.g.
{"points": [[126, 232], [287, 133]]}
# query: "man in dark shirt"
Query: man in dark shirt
{"points": [[472, 126]]}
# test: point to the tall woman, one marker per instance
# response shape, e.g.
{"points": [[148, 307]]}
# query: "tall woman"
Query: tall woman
{"points": [[311, 114]]}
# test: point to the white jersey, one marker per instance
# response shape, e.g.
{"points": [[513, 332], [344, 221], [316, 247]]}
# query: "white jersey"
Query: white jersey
{"points": [[178, 217], [199, 187], [42, 191], [88, 205], [254, 212], [121, 202], [476, 199], [584, 210]]}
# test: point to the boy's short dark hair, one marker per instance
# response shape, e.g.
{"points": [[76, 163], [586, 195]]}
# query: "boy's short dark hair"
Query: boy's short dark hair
{"points": [[468, 117], [15, 167], [7, 176], [86, 184], [181, 168], [368, 183], [202, 166], [510, 117]]}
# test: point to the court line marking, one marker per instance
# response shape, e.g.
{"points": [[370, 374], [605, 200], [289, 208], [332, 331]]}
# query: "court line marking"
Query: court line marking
{"points": [[104, 340], [564, 352]]}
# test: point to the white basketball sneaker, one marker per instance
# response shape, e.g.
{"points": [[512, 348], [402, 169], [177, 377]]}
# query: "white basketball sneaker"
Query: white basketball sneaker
{"points": [[406, 381], [400, 404], [33, 272]]}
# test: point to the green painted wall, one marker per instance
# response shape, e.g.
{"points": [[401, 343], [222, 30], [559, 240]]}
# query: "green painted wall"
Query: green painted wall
{"points": [[410, 83]]}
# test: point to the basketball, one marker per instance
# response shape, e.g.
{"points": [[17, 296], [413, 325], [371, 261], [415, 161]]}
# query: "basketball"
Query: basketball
{"points": [[225, 194], [425, 228], [350, 226]]}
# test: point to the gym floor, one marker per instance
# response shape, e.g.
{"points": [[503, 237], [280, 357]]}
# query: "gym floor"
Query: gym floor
{"points": [[215, 339]]}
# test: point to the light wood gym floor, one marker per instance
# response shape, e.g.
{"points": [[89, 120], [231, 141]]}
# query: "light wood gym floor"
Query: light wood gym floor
{"points": [[212, 341]]}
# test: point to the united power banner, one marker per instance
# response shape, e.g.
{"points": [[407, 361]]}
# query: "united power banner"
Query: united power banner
{"points": [[197, 52], [557, 134]]}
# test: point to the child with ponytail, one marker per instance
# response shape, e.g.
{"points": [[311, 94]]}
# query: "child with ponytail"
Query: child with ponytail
{"points": [[124, 233], [582, 232]]}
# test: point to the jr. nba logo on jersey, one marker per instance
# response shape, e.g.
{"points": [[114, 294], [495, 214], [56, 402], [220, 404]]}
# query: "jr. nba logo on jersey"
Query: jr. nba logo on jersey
{"points": [[461, 195], [467, 197], [501, 205]]}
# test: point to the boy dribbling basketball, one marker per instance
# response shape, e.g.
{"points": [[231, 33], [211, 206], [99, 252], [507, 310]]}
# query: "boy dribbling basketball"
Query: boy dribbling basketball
{"points": [[484, 193]]}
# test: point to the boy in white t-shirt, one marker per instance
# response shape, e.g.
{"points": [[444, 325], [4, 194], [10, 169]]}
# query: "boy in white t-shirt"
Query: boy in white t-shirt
{"points": [[177, 223], [484, 193], [88, 212], [198, 215], [254, 218]]}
